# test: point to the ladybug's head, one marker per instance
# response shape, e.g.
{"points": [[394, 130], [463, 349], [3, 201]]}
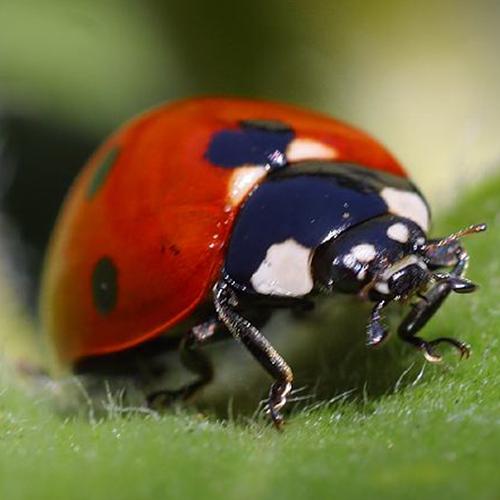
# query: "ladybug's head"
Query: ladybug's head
{"points": [[388, 258]]}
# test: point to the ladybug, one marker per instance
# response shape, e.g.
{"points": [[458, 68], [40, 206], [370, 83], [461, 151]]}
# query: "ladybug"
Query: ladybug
{"points": [[201, 210]]}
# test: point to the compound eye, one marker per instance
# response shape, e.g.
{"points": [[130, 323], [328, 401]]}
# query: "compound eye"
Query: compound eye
{"points": [[442, 255]]}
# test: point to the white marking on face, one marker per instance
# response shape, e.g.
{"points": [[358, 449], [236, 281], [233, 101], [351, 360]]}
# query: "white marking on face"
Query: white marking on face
{"points": [[349, 260], [407, 204], [401, 264], [242, 181], [364, 253], [309, 149], [382, 286], [285, 271], [399, 232]]}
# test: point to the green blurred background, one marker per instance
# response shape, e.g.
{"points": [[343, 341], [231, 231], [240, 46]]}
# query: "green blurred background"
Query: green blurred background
{"points": [[421, 76]]}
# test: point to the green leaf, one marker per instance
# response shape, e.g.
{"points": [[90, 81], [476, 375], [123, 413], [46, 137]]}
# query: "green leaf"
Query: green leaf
{"points": [[432, 436]]}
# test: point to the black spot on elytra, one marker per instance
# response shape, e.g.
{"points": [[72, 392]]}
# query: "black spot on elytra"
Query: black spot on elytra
{"points": [[102, 172], [173, 249], [105, 285], [256, 142]]}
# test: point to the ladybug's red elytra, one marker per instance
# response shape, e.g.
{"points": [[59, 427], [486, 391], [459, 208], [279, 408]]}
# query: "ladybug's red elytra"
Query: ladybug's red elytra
{"points": [[206, 206]]}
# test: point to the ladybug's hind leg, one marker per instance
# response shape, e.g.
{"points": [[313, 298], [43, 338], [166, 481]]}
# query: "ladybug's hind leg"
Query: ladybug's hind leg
{"points": [[195, 360], [225, 301]]}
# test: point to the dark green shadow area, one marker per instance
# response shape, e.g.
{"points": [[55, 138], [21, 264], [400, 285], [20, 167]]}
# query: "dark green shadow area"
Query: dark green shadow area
{"points": [[430, 436], [102, 172]]}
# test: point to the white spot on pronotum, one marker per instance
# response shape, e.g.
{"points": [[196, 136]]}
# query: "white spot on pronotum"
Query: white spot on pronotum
{"points": [[285, 271], [361, 275], [364, 253], [398, 232], [242, 181], [382, 287], [309, 149], [407, 204]]}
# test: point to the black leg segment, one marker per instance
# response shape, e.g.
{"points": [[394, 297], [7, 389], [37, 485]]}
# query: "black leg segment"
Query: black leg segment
{"points": [[195, 360], [225, 304], [430, 302], [376, 332]]}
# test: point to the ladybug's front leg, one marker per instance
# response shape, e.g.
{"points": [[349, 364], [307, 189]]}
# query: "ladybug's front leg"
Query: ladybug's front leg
{"points": [[225, 301], [429, 303], [376, 332]]}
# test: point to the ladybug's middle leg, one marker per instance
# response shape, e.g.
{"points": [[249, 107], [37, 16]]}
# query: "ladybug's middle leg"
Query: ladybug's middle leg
{"points": [[225, 301], [195, 360]]}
